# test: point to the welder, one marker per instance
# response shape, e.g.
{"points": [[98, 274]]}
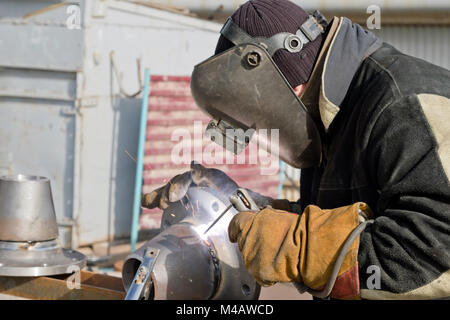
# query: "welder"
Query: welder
{"points": [[369, 128]]}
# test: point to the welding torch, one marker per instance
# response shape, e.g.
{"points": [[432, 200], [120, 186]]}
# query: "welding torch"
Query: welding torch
{"points": [[241, 201]]}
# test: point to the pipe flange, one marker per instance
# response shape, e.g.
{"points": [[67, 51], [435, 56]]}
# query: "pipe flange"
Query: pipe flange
{"points": [[34, 259]]}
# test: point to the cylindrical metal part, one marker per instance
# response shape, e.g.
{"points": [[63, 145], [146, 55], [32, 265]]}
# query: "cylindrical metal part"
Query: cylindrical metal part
{"points": [[25, 259], [29, 244], [184, 268], [191, 265], [26, 209]]}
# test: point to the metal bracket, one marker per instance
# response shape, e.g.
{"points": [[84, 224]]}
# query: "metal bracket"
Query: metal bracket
{"points": [[320, 18], [69, 111], [233, 140], [141, 286]]}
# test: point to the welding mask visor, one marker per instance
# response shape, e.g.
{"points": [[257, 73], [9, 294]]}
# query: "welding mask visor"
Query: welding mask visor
{"points": [[244, 91]]}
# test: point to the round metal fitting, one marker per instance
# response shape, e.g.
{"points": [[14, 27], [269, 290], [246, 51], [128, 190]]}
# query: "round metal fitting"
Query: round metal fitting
{"points": [[293, 43], [34, 259], [253, 59]]}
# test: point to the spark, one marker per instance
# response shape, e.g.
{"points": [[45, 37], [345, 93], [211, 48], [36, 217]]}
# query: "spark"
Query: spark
{"points": [[131, 157], [200, 230]]}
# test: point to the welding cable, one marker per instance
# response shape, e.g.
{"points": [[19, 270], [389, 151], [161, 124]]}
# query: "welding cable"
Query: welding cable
{"points": [[325, 293]]}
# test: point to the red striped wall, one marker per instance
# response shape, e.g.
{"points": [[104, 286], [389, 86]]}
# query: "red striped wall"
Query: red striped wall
{"points": [[171, 107]]}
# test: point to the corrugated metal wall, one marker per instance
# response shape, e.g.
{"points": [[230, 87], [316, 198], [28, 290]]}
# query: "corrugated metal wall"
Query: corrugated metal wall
{"points": [[431, 43], [172, 107], [228, 6]]}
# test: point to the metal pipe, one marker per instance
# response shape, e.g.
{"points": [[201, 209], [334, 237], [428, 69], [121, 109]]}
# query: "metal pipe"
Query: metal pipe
{"points": [[27, 212], [140, 162]]}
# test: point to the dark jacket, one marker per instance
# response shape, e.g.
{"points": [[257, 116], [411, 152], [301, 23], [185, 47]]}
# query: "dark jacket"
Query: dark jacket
{"points": [[385, 123]]}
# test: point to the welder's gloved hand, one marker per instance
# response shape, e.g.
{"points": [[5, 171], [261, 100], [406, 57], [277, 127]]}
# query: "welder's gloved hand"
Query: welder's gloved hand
{"points": [[199, 175], [278, 246], [270, 244]]}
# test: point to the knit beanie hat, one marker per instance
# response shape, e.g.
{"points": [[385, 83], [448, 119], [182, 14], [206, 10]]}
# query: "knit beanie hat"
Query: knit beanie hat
{"points": [[265, 18]]}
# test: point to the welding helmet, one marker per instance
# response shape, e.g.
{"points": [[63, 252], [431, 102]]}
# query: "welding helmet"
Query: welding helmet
{"points": [[244, 91]]}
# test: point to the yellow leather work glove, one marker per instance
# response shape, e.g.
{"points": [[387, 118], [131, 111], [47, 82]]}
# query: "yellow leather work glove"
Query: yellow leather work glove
{"points": [[278, 246]]}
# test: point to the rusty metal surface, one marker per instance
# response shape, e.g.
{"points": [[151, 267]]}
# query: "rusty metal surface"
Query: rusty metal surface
{"points": [[93, 287]]}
